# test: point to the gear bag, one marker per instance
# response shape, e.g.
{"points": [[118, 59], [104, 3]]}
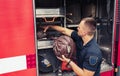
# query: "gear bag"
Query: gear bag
{"points": [[47, 61]]}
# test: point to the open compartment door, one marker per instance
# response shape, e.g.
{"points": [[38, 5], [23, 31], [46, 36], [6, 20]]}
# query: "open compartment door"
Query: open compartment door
{"points": [[117, 38], [17, 39]]}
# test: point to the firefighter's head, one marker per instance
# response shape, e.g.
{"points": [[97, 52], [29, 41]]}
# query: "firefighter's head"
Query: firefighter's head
{"points": [[87, 26]]}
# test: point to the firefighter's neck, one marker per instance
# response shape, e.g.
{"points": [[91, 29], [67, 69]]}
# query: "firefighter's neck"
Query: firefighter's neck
{"points": [[86, 39]]}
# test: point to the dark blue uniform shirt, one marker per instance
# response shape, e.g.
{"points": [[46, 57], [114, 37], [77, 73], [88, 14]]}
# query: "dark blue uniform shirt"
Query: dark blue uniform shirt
{"points": [[88, 56]]}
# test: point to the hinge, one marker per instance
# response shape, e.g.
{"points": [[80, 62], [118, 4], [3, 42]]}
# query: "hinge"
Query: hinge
{"points": [[116, 69]]}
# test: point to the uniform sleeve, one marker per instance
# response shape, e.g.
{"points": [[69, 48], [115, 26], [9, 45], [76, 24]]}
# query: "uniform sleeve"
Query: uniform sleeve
{"points": [[92, 62], [75, 36], [77, 39]]}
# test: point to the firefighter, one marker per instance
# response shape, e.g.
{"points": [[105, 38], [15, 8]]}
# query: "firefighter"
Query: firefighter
{"points": [[89, 56]]}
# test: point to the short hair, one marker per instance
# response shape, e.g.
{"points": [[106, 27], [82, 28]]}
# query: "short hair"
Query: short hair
{"points": [[91, 24]]}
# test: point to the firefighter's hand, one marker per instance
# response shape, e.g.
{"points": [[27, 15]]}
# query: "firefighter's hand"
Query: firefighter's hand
{"points": [[46, 28], [64, 59]]}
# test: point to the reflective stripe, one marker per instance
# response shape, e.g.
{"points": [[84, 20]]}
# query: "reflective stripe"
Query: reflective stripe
{"points": [[12, 64]]}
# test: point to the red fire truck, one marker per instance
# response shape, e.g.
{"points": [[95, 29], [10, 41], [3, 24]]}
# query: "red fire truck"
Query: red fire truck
{"points": [[20, 45]]}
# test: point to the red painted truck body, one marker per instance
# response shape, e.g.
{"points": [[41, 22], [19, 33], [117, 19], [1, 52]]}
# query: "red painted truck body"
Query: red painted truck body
{"points": [[18, 43]]}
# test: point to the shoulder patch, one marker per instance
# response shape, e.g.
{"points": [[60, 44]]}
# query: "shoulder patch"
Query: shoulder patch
{"points": [[93, 60]]}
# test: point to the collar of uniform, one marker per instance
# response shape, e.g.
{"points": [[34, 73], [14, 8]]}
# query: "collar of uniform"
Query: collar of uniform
{"points": [[90, 42]]}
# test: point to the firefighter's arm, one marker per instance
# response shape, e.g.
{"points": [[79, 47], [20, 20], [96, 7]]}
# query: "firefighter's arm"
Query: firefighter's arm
{"points": [[79, 71], [76, 68], [63, 30]]}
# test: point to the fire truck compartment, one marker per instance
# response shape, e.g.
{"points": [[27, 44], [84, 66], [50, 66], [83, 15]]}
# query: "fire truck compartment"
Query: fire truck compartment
{"points": [[68, 13]]}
